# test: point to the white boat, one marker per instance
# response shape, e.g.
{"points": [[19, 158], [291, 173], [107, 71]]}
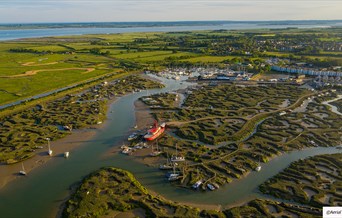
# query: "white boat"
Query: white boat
{"points": [[22, 172], [156, 152], [132, 136], [49, 151], [177, 158], [66, 154], [211, 187], [67, 128], [197, 184], [216, 185], [173, 175], [127, 151], [123, 146], [167, 165], [258, 168]]}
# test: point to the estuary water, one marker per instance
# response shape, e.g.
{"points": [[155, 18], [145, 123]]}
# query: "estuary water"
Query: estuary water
{"points": [[34, 33], [42, 192]]}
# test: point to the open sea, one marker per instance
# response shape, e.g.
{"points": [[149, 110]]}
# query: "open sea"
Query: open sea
{"points": [[12, 34]]}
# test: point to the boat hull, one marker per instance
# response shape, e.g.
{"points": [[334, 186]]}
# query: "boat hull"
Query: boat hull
{"points": [[151, 137]]}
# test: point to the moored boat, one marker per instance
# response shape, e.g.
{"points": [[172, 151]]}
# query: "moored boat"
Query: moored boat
{"points": [[172, 176], [165, 166], [127, 150], [216, 185], [177, 158], [258, 168], [132, 136], [211, 187], [22, 172], [49, 149], [197, 184], [154, 132], [168, 165]]}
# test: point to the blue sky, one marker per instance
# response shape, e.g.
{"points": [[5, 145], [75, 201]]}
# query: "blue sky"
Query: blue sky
{"points": [[24, 11]]}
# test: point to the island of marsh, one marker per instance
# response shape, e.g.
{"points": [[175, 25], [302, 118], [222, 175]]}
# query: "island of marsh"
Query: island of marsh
{"points": [[112, 192], [315, 181], [223, 132]]}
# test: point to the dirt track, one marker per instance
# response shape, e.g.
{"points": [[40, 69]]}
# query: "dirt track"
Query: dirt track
{"points": [[34, 72], [33, 64]]}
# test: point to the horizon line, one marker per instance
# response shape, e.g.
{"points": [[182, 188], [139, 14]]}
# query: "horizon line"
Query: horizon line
{"points": [[169, 21]]}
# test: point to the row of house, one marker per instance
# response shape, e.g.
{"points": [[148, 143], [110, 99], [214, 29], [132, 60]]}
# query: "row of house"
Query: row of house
{"points": [[306, 71]]}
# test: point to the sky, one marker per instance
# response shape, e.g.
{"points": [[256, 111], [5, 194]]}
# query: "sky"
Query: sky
{"points": [[28, 11]]}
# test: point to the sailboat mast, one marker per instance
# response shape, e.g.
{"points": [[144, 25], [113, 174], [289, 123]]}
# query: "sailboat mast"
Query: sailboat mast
{"points": [[176, 151]]}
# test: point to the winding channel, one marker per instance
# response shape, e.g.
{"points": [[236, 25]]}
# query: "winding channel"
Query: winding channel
{"points": [[42, 192], [333, 107]]}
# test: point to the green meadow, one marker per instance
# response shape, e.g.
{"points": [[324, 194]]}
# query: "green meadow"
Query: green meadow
{"points": [[31, 66]]}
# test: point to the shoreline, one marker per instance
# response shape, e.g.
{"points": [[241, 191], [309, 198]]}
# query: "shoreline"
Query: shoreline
{"points": [[69, 143]]}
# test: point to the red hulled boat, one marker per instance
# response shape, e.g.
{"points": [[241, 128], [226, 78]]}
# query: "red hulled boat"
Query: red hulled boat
{"points": [[155, 132]]}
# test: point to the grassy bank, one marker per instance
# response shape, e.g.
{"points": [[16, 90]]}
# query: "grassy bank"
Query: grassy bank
{"points": [[315, 181], [114, 192], [26, 131]]}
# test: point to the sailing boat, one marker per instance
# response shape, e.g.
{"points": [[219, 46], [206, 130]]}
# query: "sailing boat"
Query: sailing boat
{"points": [[173, 176], [22, 172], [177, 158], [49, 151], [166, 166], [155, 153], [258, 168]]}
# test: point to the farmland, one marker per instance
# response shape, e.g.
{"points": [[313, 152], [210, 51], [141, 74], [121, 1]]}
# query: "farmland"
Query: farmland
{"points": [[61, 61]]}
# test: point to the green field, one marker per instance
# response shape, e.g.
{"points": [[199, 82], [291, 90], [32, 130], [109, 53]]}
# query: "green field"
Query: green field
{"points": [[108, 53]]}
